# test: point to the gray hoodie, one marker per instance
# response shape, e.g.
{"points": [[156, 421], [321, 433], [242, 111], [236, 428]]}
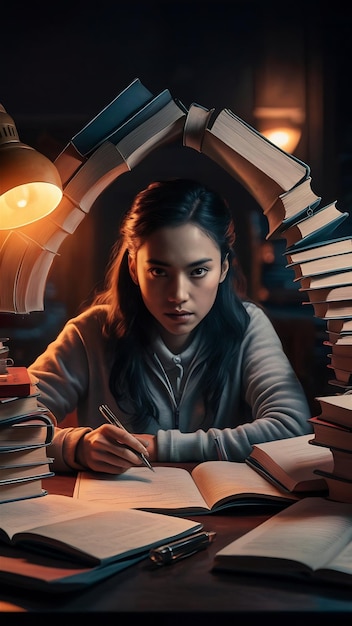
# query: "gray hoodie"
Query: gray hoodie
{"points": [[262, 400]]}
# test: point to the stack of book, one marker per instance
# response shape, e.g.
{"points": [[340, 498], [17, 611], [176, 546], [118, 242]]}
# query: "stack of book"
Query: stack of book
{"points": [[325, 272], [25, 432], [333, 430], [281, 184]]}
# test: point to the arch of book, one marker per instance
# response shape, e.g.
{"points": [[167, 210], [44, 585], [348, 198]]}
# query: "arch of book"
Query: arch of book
{"points": [[135, 124]]}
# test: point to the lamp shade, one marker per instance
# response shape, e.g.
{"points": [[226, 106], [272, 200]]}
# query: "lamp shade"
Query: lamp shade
{"points": [[30, 185]]}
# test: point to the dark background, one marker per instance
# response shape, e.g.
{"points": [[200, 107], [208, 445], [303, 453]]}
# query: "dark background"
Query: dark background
{"points": [[62, 63]]}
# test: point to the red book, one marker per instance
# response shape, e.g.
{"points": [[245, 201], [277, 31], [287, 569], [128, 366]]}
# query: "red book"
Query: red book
{"points": [[16, 382]]}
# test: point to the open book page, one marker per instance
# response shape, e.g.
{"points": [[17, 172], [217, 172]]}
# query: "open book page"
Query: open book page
{"points": [[221, 482], [87, 531], [175, 490], [35, 571], [109, 535], [308, 535], [168, 488], [24, 515]]}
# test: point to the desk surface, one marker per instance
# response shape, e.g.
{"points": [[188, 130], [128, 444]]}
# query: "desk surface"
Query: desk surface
{"points": [[189, 586]]}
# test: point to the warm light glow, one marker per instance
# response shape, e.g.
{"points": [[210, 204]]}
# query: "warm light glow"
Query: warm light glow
{"points": [[27, 203], [282, 126], [30, 185], [285, 138]]}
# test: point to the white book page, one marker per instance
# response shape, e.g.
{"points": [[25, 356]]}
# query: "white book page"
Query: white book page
{"points": [[24, 515], [218, 480], [110, 533], [138, 488], [312, 531]]}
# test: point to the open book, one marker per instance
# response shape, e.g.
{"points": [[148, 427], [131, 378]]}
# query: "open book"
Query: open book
{"points": [[290, 464], [311, 540], [210, 487], [89, 541]]}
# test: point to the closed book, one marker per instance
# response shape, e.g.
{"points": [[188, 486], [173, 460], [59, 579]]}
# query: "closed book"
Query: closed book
{"points": [[339, 325], [339, 339], [330, 294], [316, 227], [342, 463], [336, 408], [330, 279], [329, 434], [343, 377], [339, 487], [290, 463], [21, 490], [258, 164], [16, 382], [11, 475], [340, 349], [332, 310], [326, 265], [126, 104], [27, 432], [341, 362], [320, 250], [19, 457], [297, 203], [19, 406]]}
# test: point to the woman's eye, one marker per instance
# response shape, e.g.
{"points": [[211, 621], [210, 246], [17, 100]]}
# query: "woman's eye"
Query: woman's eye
{"points": [[199, 272], [157, 271]]}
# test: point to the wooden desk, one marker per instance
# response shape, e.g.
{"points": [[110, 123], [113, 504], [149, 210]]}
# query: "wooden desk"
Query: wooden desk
{"points": [[178, 593]]}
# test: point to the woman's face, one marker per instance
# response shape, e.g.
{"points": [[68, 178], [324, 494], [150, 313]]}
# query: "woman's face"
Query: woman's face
{"points": [[178, 270]]}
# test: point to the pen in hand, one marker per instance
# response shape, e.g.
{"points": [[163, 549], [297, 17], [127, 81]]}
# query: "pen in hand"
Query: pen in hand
{"points": [[112, 419]]}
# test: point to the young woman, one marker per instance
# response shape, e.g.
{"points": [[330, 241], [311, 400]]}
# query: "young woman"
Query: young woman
{"points": [[190, 369]]}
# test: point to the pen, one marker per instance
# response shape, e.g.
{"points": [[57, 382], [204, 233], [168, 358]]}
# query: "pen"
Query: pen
{"points": [[112, 419], [182, 548]]}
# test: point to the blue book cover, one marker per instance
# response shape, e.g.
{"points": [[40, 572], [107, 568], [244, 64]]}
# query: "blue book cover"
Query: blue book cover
{"points": [[126, 104]]}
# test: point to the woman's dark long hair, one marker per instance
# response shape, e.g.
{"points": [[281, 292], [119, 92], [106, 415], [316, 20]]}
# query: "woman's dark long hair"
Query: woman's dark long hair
{"points": [[167, 204]]}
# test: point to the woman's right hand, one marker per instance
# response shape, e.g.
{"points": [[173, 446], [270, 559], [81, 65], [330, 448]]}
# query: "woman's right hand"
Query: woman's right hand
{"points": [[104, 450]]}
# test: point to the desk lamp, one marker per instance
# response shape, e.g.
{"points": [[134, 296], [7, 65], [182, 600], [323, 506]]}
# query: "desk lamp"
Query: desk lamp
{"points": [[30, 185], [81, 172]]}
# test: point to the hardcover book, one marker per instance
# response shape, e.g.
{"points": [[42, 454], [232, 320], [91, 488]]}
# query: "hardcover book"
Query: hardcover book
{"points": [[108, 540], [299, 543]]}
